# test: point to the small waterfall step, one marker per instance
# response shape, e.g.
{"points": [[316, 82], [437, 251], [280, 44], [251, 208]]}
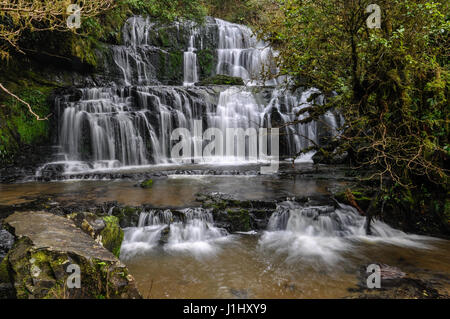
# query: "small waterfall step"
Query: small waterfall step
{"points": [[188, 231]]}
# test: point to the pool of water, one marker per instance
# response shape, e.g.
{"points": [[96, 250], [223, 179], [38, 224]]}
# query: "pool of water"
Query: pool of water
{"points": [[240, 268], [173, 191], [201, 262]]}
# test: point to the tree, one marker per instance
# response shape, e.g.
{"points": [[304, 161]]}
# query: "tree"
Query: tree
{"points": [[391, 83], [17, 16]]}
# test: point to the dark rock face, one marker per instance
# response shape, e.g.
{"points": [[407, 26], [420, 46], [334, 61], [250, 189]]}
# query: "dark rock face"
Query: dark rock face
{"points": [[235, 215], [40, 262], [25, 163]]}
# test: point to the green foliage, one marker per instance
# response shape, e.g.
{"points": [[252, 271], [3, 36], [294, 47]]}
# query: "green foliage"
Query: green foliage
{"points": [[18, 127], [206, 62], [249, 12], [391, 84]]}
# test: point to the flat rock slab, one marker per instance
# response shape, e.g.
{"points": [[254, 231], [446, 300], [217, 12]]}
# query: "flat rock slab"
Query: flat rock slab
{"points": [[56, 233], [46, 249]]}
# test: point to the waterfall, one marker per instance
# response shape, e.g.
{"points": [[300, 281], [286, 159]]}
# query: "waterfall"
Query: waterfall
{"points": [[325, 233], [240, 54], [191, 232], [131, 123], [190, 61]]}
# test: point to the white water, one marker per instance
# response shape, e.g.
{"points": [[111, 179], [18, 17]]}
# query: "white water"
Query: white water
{"points": [[131, 126], [195, 234], [325, 234], [317, 235], [240, 54], [190, 60]]}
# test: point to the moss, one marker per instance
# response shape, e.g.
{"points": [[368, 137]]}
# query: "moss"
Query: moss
{"points": [[112, 235], [4, 271], [18, 127], [363, 197], [164, 38], [170, 69], [206, 62], [105, 278], [221, 80], [147, 184], [239, 219]]}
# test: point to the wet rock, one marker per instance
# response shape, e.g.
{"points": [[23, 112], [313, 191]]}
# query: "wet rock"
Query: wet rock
{"points": [[221, 79], [6, 242], [47, 247], [104, 230], [128, 216], [165, 233], [240, 293], [237, 215], [147, 183]]}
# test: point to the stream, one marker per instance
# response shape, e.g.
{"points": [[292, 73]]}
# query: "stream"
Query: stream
{"points": [[313, 252], [111, 137]]}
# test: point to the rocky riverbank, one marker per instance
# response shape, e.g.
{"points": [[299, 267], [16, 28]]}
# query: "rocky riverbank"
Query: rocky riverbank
{"points": [[48, 248]]}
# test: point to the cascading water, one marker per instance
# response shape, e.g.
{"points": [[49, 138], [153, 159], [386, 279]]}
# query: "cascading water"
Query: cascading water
{"points": [[240, 54], [190, 61], [192, 231], [325, 233], [131, 125]]}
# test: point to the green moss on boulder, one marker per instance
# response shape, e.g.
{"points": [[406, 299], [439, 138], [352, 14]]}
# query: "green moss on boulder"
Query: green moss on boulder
{"points": [[38, 264], [112, 235], [147, 183], [239, 219], [221, 80]]}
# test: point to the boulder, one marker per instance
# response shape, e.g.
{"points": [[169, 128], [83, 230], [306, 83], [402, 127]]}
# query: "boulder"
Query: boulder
{"points": [[237, 215], [104, 230], [47, 253], [147, 183]]}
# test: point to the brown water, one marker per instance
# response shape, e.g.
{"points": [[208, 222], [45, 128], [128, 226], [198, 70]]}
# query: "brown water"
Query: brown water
{"points": [[241, 270], [239, 266], [175, 191]]}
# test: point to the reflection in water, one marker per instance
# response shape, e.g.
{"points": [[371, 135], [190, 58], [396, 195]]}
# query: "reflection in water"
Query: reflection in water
{"points": [[174, 191]]}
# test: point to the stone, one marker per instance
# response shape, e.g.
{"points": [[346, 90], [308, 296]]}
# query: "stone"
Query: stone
{"points": [[147, 183], [46, 250]]}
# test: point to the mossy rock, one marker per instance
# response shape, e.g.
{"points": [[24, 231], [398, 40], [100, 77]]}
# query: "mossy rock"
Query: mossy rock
{"points": [[221, 80], [4, 272], [38, 264], [363, 198], [239, 219], [105, 229], [147, 183], [128, 216], [112, 235]]}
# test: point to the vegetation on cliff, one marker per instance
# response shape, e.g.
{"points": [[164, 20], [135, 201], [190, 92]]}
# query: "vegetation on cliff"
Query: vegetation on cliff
{"points": [[32, 39]]}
